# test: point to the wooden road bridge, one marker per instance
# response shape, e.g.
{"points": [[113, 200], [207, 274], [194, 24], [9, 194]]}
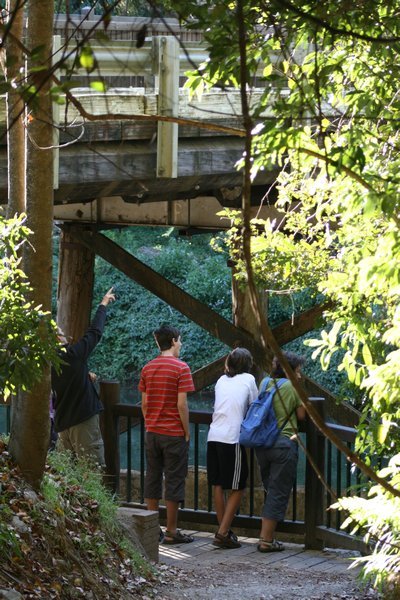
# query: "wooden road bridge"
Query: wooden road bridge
{"points": [[116, 163]]}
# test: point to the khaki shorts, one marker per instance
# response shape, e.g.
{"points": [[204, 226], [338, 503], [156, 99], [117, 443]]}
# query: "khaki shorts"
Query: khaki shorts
{"points": [[84, 440], [168, 455]]}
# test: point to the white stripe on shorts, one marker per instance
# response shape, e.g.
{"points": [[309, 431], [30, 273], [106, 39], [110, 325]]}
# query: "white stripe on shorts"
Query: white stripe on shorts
{"points": [[238, 467]]}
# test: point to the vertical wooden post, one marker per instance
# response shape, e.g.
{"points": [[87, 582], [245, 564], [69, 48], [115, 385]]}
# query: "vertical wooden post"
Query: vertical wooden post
{"points": [[75, 284], [166, 56], [109, 396], [314, 489]]}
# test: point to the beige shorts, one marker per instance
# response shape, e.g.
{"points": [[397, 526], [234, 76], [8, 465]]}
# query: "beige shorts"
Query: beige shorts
{"points": [[168, 455], [84, 440]]}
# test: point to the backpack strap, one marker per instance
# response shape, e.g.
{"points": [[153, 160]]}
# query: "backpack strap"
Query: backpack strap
{"points": [[264, 384], [278, 383]]}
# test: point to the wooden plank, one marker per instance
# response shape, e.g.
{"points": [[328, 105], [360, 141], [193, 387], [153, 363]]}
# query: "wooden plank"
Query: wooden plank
{"points": [[195, 310], [209, 374], [128, 162], [340, 539]]}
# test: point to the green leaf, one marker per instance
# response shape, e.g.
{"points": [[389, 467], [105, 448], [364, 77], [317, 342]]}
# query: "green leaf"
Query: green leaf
{"points": [[351, 372], [367, 356], [86, 58], [332, 335], [99, 86], [268, 70], [383, 430]]}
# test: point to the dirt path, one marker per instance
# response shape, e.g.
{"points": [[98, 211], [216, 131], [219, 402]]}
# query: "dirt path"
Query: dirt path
{"points": [[249, 581], [199, 571]]}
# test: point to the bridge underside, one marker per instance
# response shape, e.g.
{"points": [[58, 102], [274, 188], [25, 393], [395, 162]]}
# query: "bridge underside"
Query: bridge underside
{"points": [[115, 183]]}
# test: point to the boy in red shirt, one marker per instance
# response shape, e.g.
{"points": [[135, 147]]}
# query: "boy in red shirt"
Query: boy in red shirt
{"points": [[164, 383]]}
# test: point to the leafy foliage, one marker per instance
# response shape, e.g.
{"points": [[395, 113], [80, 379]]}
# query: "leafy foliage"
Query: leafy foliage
{"points": [[27, 333], [378, 516], [328, 119], [128, 8]]}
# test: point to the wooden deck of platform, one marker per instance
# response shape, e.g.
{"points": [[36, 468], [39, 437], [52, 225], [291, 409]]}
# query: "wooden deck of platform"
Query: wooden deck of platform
{"points": [[294, 555], [205, 572]]}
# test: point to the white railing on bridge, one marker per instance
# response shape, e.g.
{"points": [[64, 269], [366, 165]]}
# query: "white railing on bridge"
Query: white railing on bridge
{"points": [[164, 60]]}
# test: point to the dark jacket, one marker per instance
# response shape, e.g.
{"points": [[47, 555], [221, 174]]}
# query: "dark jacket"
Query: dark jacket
{"points": [[75, 396]]}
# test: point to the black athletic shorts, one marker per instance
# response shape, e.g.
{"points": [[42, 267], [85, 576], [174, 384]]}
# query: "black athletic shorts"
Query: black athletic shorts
{"points": [[227, 465]]}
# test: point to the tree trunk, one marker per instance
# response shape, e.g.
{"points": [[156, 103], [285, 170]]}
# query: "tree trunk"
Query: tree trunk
{"points": [[30, 422], [15, 112], [243, 316]]}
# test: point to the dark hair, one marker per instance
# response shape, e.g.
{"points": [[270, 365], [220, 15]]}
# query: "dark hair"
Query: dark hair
{"points": [[294, 360], [165, 335], [238, 361]]}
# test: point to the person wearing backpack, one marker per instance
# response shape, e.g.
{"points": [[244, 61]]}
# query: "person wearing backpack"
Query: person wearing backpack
{"points": [[227, 468], [278, 464]]}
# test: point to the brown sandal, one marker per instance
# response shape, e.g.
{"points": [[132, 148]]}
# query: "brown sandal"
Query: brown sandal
{"points": [[227, 541], [274, 546], [177, 538]]}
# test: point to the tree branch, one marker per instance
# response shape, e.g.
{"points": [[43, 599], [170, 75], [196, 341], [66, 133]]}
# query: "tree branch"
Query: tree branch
{"points": [[335, 30]]}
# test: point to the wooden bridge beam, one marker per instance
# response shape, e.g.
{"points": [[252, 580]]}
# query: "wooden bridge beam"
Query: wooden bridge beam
{"points": [[75, 284], [195, 310]]}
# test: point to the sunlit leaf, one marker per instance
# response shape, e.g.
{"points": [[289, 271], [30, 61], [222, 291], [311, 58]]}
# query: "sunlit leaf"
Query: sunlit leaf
{"points": [[86, 58], [99, 86]]}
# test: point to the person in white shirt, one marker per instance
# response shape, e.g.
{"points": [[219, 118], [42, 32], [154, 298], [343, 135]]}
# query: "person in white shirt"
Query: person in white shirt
{"points": [[227, 468]]}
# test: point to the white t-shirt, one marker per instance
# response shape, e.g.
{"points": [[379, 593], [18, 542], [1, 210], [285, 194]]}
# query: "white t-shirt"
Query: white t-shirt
{"points": [[232, 398]]}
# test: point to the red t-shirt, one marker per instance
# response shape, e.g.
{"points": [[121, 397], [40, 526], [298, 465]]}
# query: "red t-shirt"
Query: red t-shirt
{"points": [[162, 379]]}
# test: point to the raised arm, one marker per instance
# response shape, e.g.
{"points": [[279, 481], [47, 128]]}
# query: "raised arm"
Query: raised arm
{"points": [[83, 347], [109, 297]]}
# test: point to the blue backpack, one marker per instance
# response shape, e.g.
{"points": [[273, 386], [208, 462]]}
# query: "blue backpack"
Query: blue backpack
{"points": [[260, 428]]}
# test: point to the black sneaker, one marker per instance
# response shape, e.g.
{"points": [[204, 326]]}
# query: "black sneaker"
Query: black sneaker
{"points": [[161, 536]]}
